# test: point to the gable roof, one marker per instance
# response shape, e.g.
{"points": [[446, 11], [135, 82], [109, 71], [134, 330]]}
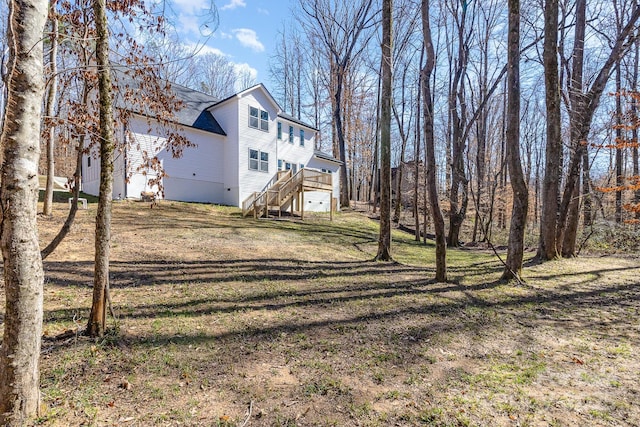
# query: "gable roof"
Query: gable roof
{"points": [[192, 113], [259, 86]]}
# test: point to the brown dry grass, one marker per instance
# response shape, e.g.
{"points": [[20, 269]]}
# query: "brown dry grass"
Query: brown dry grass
{"points": [[218, 315]]}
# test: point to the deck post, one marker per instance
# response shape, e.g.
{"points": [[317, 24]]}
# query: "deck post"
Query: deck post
{"points": [[302, 204], [331, 206]]}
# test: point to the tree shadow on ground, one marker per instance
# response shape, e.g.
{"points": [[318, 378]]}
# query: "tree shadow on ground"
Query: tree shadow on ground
{"points": [[402, 290]]}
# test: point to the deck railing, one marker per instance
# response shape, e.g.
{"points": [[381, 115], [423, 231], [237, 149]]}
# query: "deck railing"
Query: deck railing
{"points": [[282, 187]]}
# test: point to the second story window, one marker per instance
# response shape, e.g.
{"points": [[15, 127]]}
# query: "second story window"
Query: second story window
{"points": [[280, 131], [291, 134], [258, 119], [302, 137]]}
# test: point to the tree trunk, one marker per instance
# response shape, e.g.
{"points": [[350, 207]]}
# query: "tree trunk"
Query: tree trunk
{"points": [[547, 249], [515, 251], [66, 227], [23, 273], [373, 187], [634, 129], [618, 143], [429, 142], [97, 317], [339, 130], [417, 139], [587, 201], [50, 103], [569, 242], [384, 242]]}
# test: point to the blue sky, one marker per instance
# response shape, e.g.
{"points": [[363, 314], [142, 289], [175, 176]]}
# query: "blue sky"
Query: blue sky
{"points": [[246, 34]]}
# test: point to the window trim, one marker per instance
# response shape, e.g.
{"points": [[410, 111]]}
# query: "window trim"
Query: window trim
{"points": [[261, 165], [261, 123]]}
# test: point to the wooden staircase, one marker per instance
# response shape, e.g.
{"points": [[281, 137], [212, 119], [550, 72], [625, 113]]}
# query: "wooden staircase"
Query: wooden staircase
{"points": [[284, 189]]}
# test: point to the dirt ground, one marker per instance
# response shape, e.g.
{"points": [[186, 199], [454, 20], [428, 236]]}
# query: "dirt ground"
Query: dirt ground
{"points": [[225, 321]]}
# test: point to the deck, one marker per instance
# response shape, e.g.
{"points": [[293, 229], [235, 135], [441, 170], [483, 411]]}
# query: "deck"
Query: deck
{"points": [[287, 189]]}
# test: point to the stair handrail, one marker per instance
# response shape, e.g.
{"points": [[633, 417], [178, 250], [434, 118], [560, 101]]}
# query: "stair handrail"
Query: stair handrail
{"points": [[250, 202]]}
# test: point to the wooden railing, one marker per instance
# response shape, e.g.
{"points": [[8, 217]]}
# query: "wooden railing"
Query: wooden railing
{"points": [[258, 199], [282, 187], [248, 203], [316, 179]]}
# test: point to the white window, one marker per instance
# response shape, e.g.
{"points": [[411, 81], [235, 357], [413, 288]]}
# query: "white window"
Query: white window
{"points": [[302, 137], [291, 134], [279, 164], [301, 165], [280, 131], [294, 168], [88, 161], [253, 117], [258, 160], [258, 119]]}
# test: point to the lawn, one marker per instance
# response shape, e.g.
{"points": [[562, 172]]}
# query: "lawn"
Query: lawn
{"points": [[225, 321]]}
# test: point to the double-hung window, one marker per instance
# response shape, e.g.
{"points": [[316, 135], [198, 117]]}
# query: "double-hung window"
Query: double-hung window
{"points": [[258, 119], [301, 137], [258, 160], [291, 134], [279, 131]]}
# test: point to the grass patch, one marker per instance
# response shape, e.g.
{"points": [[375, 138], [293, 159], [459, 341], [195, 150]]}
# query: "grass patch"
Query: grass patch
{"points": [[217, 314]]}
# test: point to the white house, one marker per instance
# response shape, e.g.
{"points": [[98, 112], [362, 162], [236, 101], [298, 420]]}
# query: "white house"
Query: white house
{"points": [[243, 145]]}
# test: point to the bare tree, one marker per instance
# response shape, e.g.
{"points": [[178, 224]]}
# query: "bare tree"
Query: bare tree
{"points": [[50, 106], [216, 75], [429, 142], [547, 248], [515, 251], [384, 241], [22, 265], [97, 317], [343, 28]]}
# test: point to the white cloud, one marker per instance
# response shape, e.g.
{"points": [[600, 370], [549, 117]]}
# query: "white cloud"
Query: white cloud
{"points": [[234, 4], [245, 68], [263, 11], [188, 24], [191, 6], [248, 38], [224, 36], [203, 50]]}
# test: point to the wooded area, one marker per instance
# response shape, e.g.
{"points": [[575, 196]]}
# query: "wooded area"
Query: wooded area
{"points": [[471, 122]]}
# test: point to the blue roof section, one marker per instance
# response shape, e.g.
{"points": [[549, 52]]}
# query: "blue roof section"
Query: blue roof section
{"points": [[193, 113], [207, 122]]}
